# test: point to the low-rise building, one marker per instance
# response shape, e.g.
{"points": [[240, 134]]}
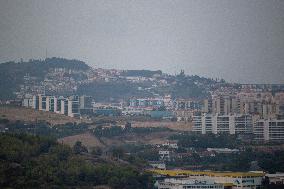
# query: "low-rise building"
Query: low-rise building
{"points": [[183, 115], [170, 144], [27, 102], [164, 155], [159, 114], [132, 111], [186, 104], [107, 111], [187, 183], [146, 102], [223, 150], [158, 165], [233, 180], [277, 178]]}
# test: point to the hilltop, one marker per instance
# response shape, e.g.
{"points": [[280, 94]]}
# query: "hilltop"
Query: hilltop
{"points": [[59, 76], [12, 73]]}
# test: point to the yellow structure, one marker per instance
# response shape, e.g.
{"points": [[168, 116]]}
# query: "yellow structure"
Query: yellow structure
{"points": [[233, 180], [180, 172]]}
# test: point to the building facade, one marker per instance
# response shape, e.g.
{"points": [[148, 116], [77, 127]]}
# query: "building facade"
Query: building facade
{"points": [[269, 130], [187, 183], [233, 180], [68, 106], [73, 106], [230, 124]]}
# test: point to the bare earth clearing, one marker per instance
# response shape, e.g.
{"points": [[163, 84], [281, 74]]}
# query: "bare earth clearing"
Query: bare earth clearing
{"points": [[177, 126], [87, 140], [90, 140], [30, 115]]}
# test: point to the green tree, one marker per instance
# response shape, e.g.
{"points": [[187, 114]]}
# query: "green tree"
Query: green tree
{"points": [[79, 148]]}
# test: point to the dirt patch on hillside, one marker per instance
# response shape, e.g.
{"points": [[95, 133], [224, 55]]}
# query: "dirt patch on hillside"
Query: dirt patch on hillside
{"points": [[177, 126], [30, 115], [132, 138], [87, 140]]}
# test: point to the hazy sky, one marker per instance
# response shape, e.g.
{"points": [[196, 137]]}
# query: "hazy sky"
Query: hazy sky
{"points": [[240, 41]]}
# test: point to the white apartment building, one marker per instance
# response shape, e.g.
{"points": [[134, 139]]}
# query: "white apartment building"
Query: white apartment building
{"points": [[51, 103], [221, 104], [57, 104], [67, 106], [64, 106], [231, 124], [35, 103], [264, 104], [86, 102], [73, 106], [42, 103], [269, 130]]}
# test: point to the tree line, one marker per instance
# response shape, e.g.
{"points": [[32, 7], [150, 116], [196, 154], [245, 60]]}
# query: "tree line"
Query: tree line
{"points": [[28, 161]]}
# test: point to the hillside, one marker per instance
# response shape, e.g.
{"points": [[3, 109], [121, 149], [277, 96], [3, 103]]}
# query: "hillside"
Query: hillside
{"points": [[87, 140], [76, 77], [28, 161], [12, 73], [30, 115]]}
